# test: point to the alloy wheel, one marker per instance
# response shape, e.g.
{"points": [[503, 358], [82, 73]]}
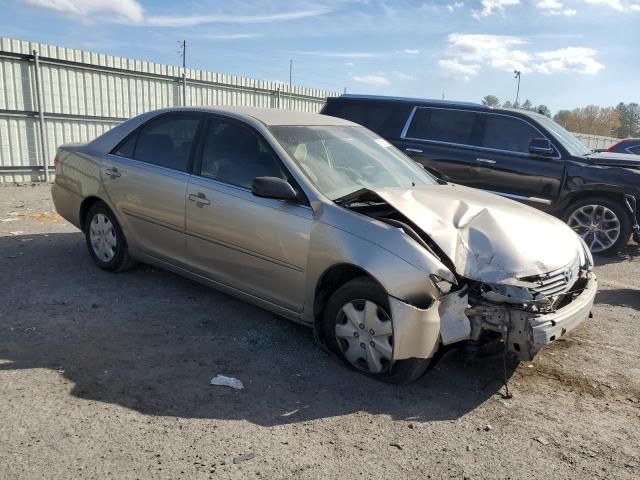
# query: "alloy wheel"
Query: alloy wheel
{"points": [[364, 333], [598, 226]]}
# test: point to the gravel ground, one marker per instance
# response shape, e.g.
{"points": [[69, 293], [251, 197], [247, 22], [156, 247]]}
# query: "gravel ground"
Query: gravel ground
{"points": [[107, 376]]}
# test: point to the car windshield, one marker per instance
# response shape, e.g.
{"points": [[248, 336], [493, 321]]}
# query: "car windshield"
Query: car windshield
{"points": [[341, 160], [567, 139]]}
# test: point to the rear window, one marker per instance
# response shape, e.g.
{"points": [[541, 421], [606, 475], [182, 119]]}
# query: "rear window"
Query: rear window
{"points": [[442, 125], [385, 118]]}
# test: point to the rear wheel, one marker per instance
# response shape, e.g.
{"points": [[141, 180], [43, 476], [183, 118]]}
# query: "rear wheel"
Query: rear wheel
{"points": [[603, 224], [105, 239], [359, 328]]}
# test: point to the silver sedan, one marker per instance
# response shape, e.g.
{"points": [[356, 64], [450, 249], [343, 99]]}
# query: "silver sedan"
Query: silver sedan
{"points": [[321, 221]]}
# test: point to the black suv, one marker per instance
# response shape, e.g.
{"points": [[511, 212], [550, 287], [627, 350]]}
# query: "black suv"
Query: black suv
{"points": [[514, 153]]}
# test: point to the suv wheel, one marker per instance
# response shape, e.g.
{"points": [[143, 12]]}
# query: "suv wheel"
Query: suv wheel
{"points": [[603, 224], [358, 327]]}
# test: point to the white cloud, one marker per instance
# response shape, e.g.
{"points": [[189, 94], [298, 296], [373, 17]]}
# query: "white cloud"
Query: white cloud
{"points": [[575, 59], [491, 7], [468, 53], [411, 51], [455, 6], [615, 4], [618, 5], [226, 36], [555, 7], [131, 12], [330, 54], [498, 51], [453, 68], [402, 76], [121, 10], [193, 20], [372, 80]]}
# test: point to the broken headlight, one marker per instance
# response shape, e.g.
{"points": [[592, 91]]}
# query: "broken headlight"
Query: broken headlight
{"points": [[511, 294], [443, 285]]}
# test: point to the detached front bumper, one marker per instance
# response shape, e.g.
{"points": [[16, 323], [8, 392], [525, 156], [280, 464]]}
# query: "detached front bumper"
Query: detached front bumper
{"points": [[529, 332]]}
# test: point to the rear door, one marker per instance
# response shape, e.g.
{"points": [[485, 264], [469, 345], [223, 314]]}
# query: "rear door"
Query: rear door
{"points": [[441, 139], [505, 166], [146, 179], [255, 245]]}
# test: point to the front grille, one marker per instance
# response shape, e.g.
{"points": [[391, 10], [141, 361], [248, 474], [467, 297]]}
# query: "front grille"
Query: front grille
{"points": [[556, 282]]}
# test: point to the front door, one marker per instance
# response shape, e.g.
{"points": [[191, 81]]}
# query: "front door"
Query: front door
{"points": [[255, 245], [146, 180], [505, 166]]}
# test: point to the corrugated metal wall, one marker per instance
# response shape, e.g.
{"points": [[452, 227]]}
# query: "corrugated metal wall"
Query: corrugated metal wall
{"points": [[86, 93]]}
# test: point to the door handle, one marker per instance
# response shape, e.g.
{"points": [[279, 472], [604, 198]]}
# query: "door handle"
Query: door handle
{"points": [[413, 150], [485, 160], [112, 172], [199, 198]]}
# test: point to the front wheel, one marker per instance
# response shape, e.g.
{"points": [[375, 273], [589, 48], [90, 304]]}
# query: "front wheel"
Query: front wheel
{"points": [[358, 327], [603, 224]]}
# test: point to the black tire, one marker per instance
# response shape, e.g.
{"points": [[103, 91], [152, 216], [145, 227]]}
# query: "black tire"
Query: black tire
{"points": [[364, 288], [620, 211], [121, 260]]}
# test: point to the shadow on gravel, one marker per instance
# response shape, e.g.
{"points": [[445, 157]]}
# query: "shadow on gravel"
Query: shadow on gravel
{"points": [[620, 297], [151, 341], [629, 252]]}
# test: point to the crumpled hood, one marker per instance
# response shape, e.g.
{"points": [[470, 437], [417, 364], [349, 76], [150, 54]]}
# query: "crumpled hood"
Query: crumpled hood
{"points": [[612, 159], [488, 238]]}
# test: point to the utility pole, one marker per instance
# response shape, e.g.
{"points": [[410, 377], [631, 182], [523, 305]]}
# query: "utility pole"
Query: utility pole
{"points": [[183, 53], [290, 82], [516, 74]]}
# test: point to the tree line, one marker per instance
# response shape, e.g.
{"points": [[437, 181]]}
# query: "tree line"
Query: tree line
{"points": [[621, 121]]}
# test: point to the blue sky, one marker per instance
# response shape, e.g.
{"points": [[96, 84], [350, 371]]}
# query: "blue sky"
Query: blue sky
{"points": [[571, 52]]}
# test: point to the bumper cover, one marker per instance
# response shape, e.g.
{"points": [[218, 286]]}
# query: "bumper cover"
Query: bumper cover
{"points": [[530, 332]]}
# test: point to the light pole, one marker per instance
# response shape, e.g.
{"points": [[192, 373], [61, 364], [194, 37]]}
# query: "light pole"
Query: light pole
{"points": [[516, 74]]}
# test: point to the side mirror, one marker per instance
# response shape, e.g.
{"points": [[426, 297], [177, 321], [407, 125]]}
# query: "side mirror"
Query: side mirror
{"points": [[273, 187], [541, 146]]}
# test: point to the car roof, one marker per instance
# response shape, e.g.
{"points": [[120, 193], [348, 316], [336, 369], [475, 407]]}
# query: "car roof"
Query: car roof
{"points": [[384, 98], [269, 116]]}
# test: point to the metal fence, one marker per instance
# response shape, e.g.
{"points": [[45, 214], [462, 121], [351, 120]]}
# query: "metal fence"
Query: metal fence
{"points": [[596, 142], [52, 95]]}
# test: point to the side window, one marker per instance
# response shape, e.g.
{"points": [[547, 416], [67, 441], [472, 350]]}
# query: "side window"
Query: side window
{"points": [[167, 141], [442, 125], [126, 148], [635, 149], [234, 154], [507, 133]]}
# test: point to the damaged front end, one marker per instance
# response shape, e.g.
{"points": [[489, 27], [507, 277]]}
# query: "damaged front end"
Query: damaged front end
{"points": [[498, 292], [530, 316]]}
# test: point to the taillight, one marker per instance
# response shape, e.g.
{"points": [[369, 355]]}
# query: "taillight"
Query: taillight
{"points": [[56, 161]]}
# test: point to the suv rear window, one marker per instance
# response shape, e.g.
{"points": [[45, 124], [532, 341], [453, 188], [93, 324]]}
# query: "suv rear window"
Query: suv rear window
{"points": [[442, 125], [385, 118]]}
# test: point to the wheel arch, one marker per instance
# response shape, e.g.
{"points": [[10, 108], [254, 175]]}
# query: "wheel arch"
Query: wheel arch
{"points": [[328, 283], [579, 195], [85, 206]]}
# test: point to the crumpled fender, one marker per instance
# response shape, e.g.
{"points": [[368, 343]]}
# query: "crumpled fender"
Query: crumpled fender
{"points": [[418, 332]]}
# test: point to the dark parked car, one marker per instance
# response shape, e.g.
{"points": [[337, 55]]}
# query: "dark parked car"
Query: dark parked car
{"points": [[514, 153], [629, 145]]}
